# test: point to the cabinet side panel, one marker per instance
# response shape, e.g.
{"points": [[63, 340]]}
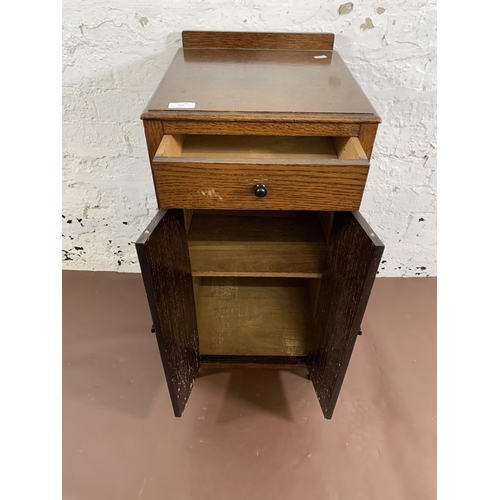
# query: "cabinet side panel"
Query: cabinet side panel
{"points": [[367, 133], [153, 130], [164, 259], [154, 134], [354, 254]]}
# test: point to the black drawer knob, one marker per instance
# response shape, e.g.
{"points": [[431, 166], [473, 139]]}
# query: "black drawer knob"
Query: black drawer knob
{"points": [[260, 190]]}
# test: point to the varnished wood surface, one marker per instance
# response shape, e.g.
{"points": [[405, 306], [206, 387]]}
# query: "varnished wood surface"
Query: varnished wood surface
{"points": [[253, 316], [253, 40], [256, 245], [153, 130], [270, 118], [296, 127], [291, 185], [220, 172], [247, 92], [367, 134], [354, 253], [164, 258], [263, 81]]}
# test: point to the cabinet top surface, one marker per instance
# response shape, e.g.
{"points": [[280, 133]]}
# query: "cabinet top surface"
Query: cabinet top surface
{"points": [[259, 81]]}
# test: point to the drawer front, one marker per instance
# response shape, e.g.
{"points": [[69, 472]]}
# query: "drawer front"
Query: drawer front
{"points": [[290, 186], [260, 172]]}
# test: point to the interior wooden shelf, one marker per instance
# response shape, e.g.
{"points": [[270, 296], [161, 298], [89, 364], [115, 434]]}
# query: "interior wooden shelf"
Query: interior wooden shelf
{"points": [[251, 146], [253, 316], [239, 244]]}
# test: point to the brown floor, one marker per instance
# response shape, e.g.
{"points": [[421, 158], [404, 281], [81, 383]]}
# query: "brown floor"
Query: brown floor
{"points": [[245, 434]]}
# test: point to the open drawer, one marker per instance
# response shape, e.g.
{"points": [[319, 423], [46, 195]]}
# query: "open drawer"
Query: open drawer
{"points": [[292, 295], [260, 172]]}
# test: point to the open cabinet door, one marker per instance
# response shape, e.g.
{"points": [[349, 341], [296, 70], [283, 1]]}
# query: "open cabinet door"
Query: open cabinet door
{"points": [[353, 256], [164, 258]]}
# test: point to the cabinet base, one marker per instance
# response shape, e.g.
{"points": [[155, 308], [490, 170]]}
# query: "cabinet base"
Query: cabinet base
{"points": [[214, 361]]}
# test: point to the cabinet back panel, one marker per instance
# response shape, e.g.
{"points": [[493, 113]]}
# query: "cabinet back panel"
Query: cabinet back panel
{"points": [[253, 316]]}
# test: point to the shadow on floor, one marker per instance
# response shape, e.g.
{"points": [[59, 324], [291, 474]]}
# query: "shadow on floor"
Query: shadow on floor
{"points": [[254, 390]]}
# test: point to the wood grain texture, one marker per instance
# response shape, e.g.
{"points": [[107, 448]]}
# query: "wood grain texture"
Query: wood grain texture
{"points": [[252, 40], [253, 316], [153, 130], [367, 133], [235, 245], [260, 81], [279, 127], [354, 254], [291, 184], [277, 362], [164, 259], [242, 88], [192, 115]]}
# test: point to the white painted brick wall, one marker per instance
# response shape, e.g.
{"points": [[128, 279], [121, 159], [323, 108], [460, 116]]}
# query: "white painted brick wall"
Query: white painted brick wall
{"points": [[115, 53]]}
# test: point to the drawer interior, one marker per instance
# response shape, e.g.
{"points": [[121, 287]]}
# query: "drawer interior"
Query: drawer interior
{"points": [[256, 146], [256, 278]]}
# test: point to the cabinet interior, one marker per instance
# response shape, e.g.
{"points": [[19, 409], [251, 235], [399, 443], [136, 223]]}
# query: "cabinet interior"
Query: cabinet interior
{"points": [[252, 243], [256, 279], [253, 316]]}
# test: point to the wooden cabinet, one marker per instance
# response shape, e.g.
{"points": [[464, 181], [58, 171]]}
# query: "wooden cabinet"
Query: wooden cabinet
{"points": [[259, 146]]}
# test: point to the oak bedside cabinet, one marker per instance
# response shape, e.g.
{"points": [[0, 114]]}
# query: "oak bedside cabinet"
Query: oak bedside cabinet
{"points": [[260, 146]]}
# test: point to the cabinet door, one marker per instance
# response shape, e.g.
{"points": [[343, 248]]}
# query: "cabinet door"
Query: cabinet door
{"points": [[353, 256], [164, 258]]}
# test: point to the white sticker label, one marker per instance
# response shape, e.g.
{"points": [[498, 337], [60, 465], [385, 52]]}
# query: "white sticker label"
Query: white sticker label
{"points": [[181, 105], [319, 57]]}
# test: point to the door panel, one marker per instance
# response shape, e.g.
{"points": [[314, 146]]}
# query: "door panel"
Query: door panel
{"points": [[166, 270], [353, 257]]}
